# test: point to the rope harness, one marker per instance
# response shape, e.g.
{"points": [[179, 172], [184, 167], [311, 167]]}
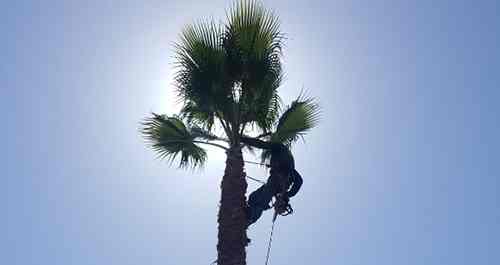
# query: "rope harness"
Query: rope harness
{"points": [[283, 208], [256, 180], [257, 163]]}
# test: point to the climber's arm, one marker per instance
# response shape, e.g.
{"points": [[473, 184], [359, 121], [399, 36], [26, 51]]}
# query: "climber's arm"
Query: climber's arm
{"points": [[296, 183]]}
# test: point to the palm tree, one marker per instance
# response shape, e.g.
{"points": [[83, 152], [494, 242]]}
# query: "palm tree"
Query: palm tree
{"points": [[227, 79]]}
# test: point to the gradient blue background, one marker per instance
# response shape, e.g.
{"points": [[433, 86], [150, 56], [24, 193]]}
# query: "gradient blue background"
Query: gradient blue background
{"points": [[403, 169]]}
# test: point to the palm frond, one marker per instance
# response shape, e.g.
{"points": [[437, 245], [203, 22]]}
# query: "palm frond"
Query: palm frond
{"points": [[301, 116], [267, 110], [200, 133], [265, 156], [170, 137], [253, 45], [200, 78], [254, 30], [196, 116]]}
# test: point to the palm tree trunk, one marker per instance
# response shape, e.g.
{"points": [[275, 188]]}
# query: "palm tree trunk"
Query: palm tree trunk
{"points": [[232, 217]]}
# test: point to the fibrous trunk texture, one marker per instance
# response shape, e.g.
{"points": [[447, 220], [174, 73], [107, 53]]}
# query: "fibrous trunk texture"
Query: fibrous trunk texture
{"points": [[232, 236]]}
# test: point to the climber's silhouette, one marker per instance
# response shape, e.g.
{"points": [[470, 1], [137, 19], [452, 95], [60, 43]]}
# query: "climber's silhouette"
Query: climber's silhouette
{"points": [[284, 181]]}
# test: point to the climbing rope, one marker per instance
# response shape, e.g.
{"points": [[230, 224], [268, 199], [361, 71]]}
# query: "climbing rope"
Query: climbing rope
{"points": [[256, 163], [256, 180], [271, 238]]}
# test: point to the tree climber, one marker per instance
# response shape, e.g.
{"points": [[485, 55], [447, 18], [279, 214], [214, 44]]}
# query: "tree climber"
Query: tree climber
{"points": [[283, 182]]}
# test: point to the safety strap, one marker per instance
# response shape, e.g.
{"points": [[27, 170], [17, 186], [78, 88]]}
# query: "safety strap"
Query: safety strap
{"points": [[257, 163], [256, 180]]}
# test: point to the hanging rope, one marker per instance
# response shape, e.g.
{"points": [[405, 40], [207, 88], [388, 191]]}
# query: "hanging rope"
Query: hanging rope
{"points": [[270, 238], [256, 163], [282, 208], [256, 180]]}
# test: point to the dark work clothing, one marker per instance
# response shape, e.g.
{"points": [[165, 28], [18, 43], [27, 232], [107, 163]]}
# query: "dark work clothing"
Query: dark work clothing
{"points": [[283, 178], [297, 181], [259, 200], [281, 157]]}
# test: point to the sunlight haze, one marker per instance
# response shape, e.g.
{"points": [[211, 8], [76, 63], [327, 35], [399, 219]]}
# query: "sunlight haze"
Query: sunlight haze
{"points": [[402, 169]]}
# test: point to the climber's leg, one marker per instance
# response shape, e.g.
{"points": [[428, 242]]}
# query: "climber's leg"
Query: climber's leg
{"points": [[258, 201]]}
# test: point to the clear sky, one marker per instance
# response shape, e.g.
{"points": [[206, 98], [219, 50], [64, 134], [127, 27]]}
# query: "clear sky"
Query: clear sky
{"points": [[403, 169]]}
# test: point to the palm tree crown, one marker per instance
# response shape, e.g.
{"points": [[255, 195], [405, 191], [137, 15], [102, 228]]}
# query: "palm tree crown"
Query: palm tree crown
{"points": [[228, 75]]}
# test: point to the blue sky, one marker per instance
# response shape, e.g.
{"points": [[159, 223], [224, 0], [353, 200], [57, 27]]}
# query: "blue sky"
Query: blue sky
{"points": [[402, 170]]}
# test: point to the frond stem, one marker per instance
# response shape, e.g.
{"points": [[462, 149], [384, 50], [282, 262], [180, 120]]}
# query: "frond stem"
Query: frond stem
{"points": [[195, 141], [225, 127], [264, 135], [212, 144]]}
